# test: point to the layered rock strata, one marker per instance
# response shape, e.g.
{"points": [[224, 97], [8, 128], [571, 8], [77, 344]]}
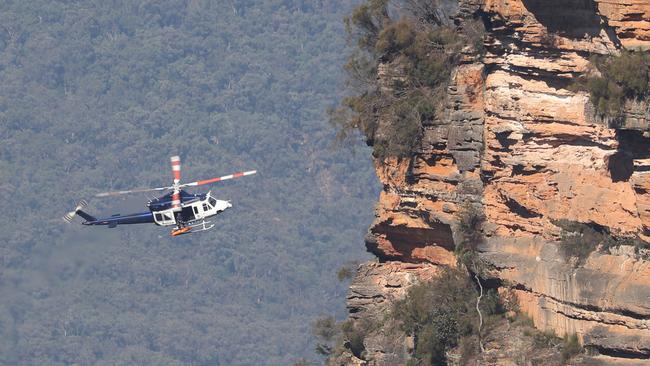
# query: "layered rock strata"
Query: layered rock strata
{"points": [[517, 139]]}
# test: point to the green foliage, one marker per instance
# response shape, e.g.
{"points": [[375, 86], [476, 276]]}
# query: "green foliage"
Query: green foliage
{"points": [[354, 333], [438, 313], [344, 273], [492, 302], [474, 30], [541, 341], [544, 339], [421, 51], [397, 37], [366, 21], [335, 337], [325, 329], [571, 347], [607, 96], [431, 12], [468, 348], [622, 77], [469, 235], [347, 271], [578, 240], [96, 95], [524, 320]]}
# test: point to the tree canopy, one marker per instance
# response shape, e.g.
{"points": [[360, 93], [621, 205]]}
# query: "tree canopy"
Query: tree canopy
{"points": [[96, 95]]}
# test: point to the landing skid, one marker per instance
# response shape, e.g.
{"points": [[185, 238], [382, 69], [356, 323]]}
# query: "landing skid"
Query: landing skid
{"points": [[196, 227], [201, 226]]}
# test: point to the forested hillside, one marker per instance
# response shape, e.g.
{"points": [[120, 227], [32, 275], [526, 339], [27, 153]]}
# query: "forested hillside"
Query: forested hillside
{"points": [[96, 95]]}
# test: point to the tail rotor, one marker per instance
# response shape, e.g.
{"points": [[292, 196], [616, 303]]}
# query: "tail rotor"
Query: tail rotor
{"points": [[70, 215]]}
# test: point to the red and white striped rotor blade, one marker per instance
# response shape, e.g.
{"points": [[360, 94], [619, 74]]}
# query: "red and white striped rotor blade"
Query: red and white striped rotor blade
{"points": [[176, 195], [176, 168], [219, 179], [176, 201], [117, 193]]}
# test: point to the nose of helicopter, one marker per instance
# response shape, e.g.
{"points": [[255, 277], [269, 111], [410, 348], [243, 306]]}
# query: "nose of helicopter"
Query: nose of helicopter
{"points": [[222, 205]]}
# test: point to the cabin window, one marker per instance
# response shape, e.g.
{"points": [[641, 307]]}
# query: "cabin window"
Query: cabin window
{"points": [[164, 218], [205, 207], [196, 210]]}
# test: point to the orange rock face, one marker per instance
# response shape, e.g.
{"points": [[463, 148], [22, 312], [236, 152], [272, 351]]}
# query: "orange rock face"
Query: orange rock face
{"points": [[630, 19], [518, 140]]}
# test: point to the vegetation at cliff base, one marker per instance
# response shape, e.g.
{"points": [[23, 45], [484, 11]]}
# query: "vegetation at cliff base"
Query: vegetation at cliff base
{"points": [[623, 77], [334, 338], [564, 349], [441, 312], [405, 53], [570, 347]]}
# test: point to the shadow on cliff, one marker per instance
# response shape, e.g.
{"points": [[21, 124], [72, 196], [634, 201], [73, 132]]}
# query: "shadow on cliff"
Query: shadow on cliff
{"points": [[632, 145], [405, 240], [574, 19]]}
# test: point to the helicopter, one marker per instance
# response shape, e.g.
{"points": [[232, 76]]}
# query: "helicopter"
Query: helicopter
{"points": [[189, 213]]}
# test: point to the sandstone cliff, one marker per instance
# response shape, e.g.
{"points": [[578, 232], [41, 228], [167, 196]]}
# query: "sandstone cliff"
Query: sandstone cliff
{"points": [[516, 139]]}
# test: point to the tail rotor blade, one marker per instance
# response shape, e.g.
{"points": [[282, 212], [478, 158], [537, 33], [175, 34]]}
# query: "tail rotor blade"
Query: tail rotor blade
{"points": [[218, 179]]}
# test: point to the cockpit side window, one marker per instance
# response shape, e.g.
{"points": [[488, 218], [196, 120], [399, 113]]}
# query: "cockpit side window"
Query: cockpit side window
{"points": [[213, 202]]}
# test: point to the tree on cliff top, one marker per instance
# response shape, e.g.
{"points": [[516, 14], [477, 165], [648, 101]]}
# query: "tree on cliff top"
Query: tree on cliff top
{"points": [[417, 48]]}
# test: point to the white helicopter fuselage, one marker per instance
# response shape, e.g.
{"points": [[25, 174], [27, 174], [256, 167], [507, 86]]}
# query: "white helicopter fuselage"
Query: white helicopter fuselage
{"points": [[194, 211]]}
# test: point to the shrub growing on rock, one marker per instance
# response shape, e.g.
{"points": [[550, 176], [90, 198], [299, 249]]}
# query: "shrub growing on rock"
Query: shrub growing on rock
{"points": [[570, 347], [439, 313], [469, 235], [579, 240], [347, 271], [325, 329], [333, 338], [622, 77], [420, 52]]}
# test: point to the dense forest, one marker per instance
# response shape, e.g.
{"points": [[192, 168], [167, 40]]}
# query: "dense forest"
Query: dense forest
{"points": [[95, 96]]}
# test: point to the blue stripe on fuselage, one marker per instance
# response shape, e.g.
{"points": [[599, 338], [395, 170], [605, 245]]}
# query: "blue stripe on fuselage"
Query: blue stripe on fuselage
{"points": [[137, 218]]}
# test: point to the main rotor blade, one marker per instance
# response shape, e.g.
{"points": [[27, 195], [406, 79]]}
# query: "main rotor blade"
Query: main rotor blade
{"points": [[176, 195], [219, 179], [117, 193], [176, 168]]}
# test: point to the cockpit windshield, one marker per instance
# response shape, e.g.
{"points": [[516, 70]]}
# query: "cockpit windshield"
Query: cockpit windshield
{"points": [[212, 201]]}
